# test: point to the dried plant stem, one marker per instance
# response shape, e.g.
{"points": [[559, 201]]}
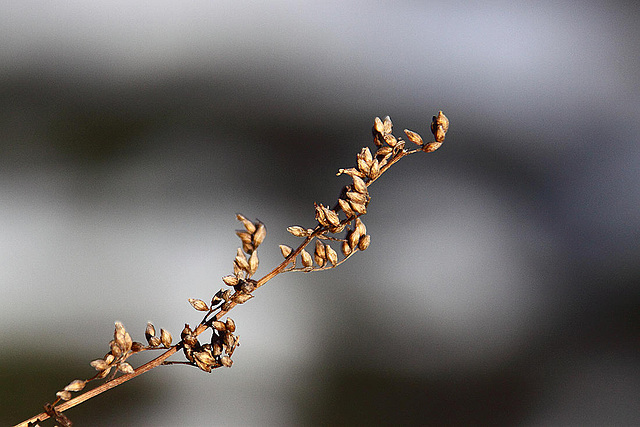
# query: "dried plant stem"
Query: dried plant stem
{"points": [[352, 202]]}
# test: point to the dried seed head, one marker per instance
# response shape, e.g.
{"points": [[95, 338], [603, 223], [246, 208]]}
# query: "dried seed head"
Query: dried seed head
{"points": [[297, 231], [360, 227], [388, 126], [216, 348], [166, 338], [64, 395], [356, 197], [285, 250], [390, 140], [125, 368], [353, 237], [229, 341], [75, 385], [331, 216], [346, 249], [413, 137], [359, 208], [439, 126], [259, 235], [205, 357], [321, 217], [374, 172], [363, 166], [319, 250], [154, 342], [230, 280], [364, 242], [332, 256], [109, 358], [150, 331], [306, 258], [346, 208], [103, 374], [384, 152], [244, 236], [198, 304], [247, 286], [242, 298]]}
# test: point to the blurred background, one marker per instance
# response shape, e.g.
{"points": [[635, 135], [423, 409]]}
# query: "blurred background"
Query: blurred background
{"points": [[501, 286]]}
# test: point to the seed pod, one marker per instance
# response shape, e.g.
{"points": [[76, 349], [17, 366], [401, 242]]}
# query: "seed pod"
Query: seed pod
{"points": [[285, 250], [150, 331], [244, 236], [388, 126], [229, 341], [320, 261], [64, 395], [259, 235], [363, 166], [356, 197], [241, 260], [137, 346], [99, 365], [359, 208], [230, 280], [359, 185], [439, 126], [205, 357], [198, 304], [216, 348], [125, 368], [116, 351], [374, 172], [226, 361], [320, 216], [413, 137], [306, 258], [248, 225], [297, 231], [319, 250], [364, 242], [75, 385], [431, 147], [360, 227], [253, 264], [231, 325], [390, 140], [332, 217], [353, 237], [378, 126], [219, 326], [332, 255], [109, 358], [154, 342], [384, 151], [242, 298], [346, 249], [344, 205]]}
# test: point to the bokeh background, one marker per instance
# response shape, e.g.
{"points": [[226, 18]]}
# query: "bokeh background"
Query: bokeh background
{"points": [[502, 283]]}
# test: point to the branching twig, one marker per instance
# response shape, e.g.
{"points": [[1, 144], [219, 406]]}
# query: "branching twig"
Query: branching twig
{"points": [[353, 202]]}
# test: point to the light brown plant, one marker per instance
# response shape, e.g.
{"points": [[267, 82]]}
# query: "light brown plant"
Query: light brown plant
{"points": [[340, 225]]}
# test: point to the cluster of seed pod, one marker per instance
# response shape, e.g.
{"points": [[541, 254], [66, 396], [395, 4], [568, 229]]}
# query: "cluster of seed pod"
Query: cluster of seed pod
{"points": [[211, 355], [252, 236], [154, 341]]}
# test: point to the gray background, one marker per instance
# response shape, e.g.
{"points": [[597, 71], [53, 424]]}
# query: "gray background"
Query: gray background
{"points": [[501, 285]]}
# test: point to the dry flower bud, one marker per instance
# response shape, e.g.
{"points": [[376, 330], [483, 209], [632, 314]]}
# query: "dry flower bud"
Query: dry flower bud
{"points": [[346, 249], [359, 208], [378, 125], [198, 304], [356, 197], [248, 225], [439, 126], [431, 147], [219, 326], [241, 260], [285, 250], [226, 361], [166, 338], [413, 137], [388, 126], [99, 365], [344, 205], [64, 395], [359, 185], [230, 280], [297, 231], [259, 235], [75, 385], [253, 263], [231, 325], [364, 242], [150, 331], [306, 258], [242, 298], [332, 255], [125, 368]]}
